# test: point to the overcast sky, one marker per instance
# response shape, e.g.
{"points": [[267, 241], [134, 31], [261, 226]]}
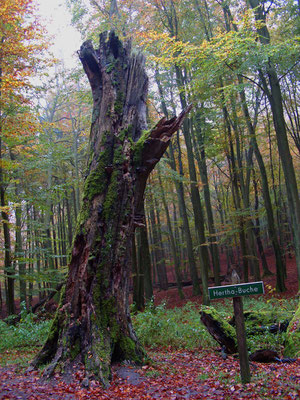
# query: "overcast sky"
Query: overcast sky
{"points": [[57, 20]]}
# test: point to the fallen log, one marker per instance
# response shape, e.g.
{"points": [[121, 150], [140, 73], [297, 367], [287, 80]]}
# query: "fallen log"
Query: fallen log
{"points": [[219, 329]]}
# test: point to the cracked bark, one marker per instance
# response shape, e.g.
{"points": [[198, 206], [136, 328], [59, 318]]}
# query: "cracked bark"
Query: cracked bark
{"points": [[92, 325]]}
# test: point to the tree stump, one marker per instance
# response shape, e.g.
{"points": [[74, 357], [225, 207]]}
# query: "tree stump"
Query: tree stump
{"points": [[92, 324]]}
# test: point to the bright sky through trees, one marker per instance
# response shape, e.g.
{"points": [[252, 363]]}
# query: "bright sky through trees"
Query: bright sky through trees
{"points": [[57, 20]]}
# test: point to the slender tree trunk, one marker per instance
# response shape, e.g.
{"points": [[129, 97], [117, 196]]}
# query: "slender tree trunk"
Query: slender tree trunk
{"points": [[140, 266], [185, 225], [260, 247], [195, 196], [244, 185], [152, 253], [172, 240], [273, 92], [56, 251], [235, 192], [63, 234], [37, 249], [69, 220], [181, 202], [8, 265], [92, 324], [29, 254], [157, 247], [74, 204], [267, 199], [138, 288], [19, 252], [160, 244], [144, 257], [76, 165], [206, 192]]}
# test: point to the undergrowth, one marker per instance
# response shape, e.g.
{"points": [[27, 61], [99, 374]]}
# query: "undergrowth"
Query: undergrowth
{"points": [[178, 327], [27, 333], [158, 326], [181, 327]]}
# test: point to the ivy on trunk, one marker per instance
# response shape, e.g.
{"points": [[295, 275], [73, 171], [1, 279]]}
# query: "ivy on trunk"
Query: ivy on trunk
{"points": [[92, 324]]}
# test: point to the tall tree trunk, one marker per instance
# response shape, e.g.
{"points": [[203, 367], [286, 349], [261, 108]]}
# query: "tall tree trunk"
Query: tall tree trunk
{"points": [[251, 129], [56, 251], [140, 266], [172, 240], [8, 265], [273, 92], [181, 202], [92, 324], [137, 280], [235, 191], [161, 247], [266, 195], [63, 233], [144, 257], [195, 196], [185, 224], [29, 255], [206, 192], [69, 220], [260, 247], [157, 247], [152, 255], [19, 253], [37, 251], [244, 185]]}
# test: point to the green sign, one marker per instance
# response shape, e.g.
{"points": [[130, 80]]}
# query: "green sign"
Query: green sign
{"points": [[242, 289]]}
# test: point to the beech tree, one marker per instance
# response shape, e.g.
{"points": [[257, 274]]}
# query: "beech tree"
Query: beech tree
{"points": [[92, 324], [22, 49]]}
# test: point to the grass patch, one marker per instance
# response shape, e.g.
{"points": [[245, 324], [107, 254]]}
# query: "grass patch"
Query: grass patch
{"points": [[178, 327]]}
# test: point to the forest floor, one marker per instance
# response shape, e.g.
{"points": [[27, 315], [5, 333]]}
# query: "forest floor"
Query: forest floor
{"points": [[171, 374]]}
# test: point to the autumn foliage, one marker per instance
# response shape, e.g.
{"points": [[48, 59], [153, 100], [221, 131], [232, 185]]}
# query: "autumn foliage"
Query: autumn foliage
{"points": [[22, 57]]}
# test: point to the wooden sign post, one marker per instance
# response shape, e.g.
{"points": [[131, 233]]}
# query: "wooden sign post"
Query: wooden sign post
{"points": [[241, 339], [236, 291]]}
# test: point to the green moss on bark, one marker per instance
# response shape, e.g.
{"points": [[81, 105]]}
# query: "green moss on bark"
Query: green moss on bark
{"points": [[138, 147], [119, 103], [111, 196], [128, 350], [97, 179], [125, 133], [98, 359], [292, 343], [230, 331]]}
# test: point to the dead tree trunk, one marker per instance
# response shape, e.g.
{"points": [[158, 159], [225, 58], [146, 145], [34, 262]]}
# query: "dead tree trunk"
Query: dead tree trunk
{"points": [[92, 324]]}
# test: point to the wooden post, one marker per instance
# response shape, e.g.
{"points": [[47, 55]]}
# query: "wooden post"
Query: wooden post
{"points": [[241, 333]]}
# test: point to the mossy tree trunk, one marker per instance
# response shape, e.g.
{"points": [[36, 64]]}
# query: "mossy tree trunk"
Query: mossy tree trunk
{"points": [[92, 324]]}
